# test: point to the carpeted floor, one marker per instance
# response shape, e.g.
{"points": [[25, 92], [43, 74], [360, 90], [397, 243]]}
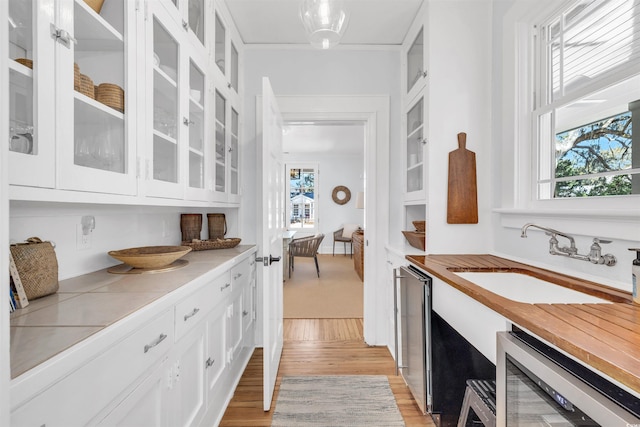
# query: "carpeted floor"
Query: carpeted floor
{"points": [[349, 400], [338, 293]]}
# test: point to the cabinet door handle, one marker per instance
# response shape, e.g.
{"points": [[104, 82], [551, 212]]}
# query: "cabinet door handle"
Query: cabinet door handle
{"points": [[155, 342], [244, 313], [222, 288], [190, 315], [187, 122], [185, 25], [209, 363], [62, 36], [237, 276]]}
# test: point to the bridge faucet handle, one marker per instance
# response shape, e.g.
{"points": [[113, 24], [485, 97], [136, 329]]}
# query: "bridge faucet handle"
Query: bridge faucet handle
{"points": [[603, 241]]}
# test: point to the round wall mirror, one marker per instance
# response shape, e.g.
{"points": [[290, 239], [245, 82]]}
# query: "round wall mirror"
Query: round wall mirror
{"points": [[341, 195]]}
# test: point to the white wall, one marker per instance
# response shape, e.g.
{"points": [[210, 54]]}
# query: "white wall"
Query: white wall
{"points": [[335, 170], [306, 71], [459, 39], [117, 227]]}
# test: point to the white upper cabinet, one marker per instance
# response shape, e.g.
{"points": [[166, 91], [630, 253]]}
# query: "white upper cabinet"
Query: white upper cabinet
{"points": [[415, 123], [226, 55], [70, 107], [415, 63], [177, 104], [32, 126], [137, 99]]}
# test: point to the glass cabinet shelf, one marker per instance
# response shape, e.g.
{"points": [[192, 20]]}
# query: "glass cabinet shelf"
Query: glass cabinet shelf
{"points": [[96, 33]]}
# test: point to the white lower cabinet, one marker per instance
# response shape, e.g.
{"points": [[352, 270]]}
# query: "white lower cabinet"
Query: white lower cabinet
{"points": [[79, 396], [146, 405], [179, 369], [187, 375]]}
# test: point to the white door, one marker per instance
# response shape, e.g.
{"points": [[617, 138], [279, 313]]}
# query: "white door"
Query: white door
{"points": [[272, 226]]}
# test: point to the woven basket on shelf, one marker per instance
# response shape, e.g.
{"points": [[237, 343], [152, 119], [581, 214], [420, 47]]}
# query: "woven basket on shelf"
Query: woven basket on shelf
{"points": [[111, 95], [86, 86], [95, 4], [26, 62], [203, 245], [76, 76]]}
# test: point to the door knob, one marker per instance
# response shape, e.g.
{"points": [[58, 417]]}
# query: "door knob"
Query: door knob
{"points": [[273, 259]]}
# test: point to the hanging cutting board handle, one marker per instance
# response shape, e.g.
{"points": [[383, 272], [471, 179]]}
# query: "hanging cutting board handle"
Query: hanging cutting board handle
{"points": [[462, 141], [462, 198]]}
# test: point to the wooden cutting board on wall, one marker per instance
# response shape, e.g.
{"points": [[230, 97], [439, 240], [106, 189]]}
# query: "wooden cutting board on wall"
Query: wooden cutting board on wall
{"points": [[462, 197]]}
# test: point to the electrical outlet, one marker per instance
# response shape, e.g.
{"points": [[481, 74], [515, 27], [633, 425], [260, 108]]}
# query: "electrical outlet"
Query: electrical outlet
{"points": [[83, 241]]}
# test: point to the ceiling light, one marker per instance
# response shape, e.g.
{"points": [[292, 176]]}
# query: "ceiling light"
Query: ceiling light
{"points": [[324, 21]]}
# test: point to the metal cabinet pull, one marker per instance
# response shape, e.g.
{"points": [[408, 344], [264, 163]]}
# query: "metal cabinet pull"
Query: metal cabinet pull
{"points": [[209, 363], [187, 122], [62, 36], [190, 315], [237, 276], [185, 25], [155, 343], [222, 288]]}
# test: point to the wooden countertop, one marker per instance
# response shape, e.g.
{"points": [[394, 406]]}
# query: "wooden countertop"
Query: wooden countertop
{"points": [[604, 336]]}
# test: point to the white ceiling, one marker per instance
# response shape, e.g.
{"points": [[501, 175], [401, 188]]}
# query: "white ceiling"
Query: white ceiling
{"points": [[371, 22]]}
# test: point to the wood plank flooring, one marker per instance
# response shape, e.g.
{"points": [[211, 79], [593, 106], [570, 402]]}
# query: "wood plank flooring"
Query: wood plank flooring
{"points": [[319, 347]]}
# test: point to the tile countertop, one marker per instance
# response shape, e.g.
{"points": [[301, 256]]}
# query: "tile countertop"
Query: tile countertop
{"points": [[89, 303], [604, 336]]}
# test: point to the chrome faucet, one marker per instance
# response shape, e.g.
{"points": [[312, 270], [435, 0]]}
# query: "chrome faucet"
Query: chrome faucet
{"points": [[553, 242], [595, 254]]}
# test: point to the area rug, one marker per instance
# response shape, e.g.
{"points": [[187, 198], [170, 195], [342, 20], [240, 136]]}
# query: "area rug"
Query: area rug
{"points": [[349, 400], [338, 293]]}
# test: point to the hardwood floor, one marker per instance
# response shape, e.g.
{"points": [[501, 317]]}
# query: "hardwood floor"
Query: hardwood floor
{"points": [[319, 347]]}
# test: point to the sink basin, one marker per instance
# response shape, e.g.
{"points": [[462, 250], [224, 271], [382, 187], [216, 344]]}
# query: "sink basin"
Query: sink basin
{"points": [[527, 289]]}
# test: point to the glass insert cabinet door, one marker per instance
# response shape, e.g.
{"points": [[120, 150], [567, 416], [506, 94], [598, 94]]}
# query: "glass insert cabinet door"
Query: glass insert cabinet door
{"points": [[67, 95], [25, 148], [415, 148], [99, 80], [165, 104], [220, 144]]}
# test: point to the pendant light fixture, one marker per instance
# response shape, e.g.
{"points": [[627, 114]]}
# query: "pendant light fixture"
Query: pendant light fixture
{"points": [[324, 21]]}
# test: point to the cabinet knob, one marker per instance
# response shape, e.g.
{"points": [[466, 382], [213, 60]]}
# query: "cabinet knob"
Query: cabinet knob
{"points": [[187, 122], [228, 85], [209, 363], [185, 25]]}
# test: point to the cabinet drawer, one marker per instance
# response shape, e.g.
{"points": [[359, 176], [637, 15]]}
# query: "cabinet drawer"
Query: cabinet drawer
{"points": [[78, 397], [194, 308], [241, 274]]}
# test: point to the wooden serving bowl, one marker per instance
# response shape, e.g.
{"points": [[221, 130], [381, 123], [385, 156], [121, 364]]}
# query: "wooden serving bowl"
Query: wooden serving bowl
{"points": [[150, 256]]}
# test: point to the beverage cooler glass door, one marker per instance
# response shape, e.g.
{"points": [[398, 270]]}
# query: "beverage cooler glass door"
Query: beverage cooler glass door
{"points": [[538, 386]]}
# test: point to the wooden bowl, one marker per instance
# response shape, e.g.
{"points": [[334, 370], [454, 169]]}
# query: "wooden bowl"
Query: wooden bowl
{"points": [[415, 239], [420, 225], [150, 256]]}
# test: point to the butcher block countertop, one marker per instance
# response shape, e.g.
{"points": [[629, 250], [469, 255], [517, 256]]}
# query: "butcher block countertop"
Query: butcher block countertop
{"points": [[604, 336]]}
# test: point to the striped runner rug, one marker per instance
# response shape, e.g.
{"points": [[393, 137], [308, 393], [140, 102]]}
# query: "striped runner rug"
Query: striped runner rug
{"points": [[348, 400]]}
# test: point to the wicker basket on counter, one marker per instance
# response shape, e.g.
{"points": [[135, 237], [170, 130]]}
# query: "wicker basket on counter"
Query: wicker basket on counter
{"points": [[111, 95], [26, 62], [203, 245], [86, 86]]}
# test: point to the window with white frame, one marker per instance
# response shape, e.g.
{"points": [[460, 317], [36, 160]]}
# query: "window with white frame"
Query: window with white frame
{"points": [[302, 185], [587, 99]]}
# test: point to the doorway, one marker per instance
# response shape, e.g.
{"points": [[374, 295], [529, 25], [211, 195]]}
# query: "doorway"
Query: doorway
{"points": [[320, 157], [373, 112]]}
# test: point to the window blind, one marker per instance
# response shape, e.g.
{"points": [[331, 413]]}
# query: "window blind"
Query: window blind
{"points": [[590, 40]]}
